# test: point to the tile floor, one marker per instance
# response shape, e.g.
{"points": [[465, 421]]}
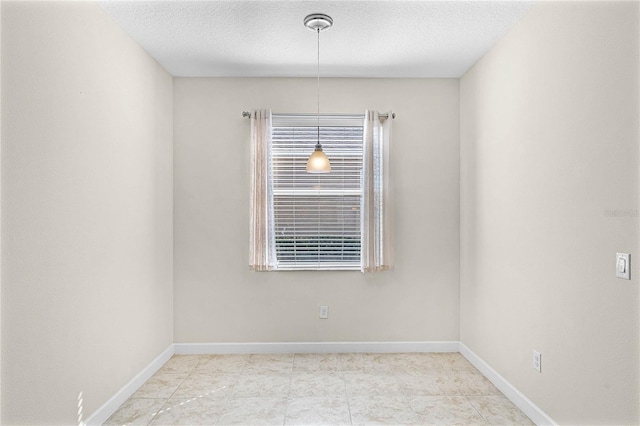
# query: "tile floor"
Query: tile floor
{"points": [[314, 389]]}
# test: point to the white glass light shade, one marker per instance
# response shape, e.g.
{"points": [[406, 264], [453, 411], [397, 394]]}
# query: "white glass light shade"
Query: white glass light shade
{"points": [[318, 162]]}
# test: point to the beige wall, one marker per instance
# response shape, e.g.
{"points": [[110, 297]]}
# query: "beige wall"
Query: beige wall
{"points": [[0, 214], [86, 210], [549, 143], [217, 298]]}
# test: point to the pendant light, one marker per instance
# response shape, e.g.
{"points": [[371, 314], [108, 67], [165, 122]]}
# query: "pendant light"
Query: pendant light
{"points": [[318, 161]]}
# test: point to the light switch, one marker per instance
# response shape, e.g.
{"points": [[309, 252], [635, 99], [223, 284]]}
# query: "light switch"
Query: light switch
{"points": [[623, 269]]}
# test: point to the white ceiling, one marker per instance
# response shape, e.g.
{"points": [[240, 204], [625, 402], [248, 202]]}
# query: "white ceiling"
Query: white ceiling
{"points": [[268, 39]]}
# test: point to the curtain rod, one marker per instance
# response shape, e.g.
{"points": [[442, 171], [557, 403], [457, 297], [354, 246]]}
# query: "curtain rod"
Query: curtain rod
{"points": [[247, 114]]}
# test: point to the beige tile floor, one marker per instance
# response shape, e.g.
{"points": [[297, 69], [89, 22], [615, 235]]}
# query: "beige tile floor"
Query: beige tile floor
{"points": [[318, 389]]}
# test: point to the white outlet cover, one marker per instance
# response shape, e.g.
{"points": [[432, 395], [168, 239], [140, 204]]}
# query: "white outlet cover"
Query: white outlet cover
{"points": [[324, 312], [537, 361]]}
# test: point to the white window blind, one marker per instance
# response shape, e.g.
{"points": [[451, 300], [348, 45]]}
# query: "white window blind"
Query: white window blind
{"points": [[317, 216]]}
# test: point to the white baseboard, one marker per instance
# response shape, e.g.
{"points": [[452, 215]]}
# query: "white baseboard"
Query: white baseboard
{"points": [[538, 416], [313, 347], [110, 407]]}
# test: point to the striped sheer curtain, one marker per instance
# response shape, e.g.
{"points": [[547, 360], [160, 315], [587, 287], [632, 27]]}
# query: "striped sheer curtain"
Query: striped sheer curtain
{"points": [[376, 205], [261, 246]]}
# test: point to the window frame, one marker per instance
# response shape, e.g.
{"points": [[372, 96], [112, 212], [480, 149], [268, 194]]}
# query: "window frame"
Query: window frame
{"points": [[310, 121]]}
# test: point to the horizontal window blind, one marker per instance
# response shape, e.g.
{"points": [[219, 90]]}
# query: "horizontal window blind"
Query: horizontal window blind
{"points": [[317, 216]]}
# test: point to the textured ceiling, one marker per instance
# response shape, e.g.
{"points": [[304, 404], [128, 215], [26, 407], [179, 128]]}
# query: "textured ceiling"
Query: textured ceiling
{"points": [[268, 39]]}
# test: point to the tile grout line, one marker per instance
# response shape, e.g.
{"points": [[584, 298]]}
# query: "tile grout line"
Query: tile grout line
{"points": [[466, 397], [227, 398], [167, 399], [286, 407], [344, 383]]}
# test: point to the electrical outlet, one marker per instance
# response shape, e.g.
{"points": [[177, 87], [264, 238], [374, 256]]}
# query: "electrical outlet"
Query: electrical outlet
{"points": [[537, 361], [324, 312]]}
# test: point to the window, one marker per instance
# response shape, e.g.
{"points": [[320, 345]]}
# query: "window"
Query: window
{"points": [[316, 217], [341, 220]]}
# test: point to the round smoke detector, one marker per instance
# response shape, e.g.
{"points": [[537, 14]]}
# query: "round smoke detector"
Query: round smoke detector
{"points": [[318, 22]]}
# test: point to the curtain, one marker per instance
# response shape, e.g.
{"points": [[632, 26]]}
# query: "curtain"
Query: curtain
{"points": [[261, 244], [376, 206]]}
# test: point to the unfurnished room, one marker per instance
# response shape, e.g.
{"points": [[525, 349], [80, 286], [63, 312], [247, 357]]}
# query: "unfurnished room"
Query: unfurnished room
{"points": [[319, 212]]}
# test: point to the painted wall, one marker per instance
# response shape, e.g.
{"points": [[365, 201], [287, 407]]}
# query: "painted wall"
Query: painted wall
{"points": [[86, 210], [218, 299], [549, 193], [0, 214]]}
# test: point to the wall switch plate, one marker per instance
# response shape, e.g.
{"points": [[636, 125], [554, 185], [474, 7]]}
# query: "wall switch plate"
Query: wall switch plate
{"points": [[537, 361], [623, 267], [324, 312]]}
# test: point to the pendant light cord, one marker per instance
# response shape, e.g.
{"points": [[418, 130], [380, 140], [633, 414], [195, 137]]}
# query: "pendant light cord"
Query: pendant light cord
{"points": [[318, 145]]}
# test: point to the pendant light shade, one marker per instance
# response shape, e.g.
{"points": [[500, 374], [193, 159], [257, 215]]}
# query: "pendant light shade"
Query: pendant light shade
{"points": [[318, 161]]}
